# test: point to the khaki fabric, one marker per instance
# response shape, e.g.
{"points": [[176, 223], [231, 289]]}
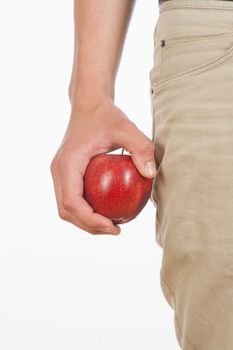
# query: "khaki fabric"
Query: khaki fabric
{"points": [[191, 85]]}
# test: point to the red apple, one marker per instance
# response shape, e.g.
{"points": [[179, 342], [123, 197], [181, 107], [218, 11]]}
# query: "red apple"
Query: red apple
{"points": [[114, 188]]}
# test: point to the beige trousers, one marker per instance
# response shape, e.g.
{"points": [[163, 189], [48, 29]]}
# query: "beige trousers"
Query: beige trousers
{"points": [[192, 106]]}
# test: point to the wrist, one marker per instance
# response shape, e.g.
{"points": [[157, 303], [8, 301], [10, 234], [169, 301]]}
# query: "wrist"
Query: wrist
{"points": [[89, 93], [89, 97], [90, 86]]}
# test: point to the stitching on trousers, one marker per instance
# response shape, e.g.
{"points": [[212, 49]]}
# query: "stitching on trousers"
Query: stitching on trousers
{"points": [[172, 6], [196, 71], [203, 68], [198, 39], [176, 319]]}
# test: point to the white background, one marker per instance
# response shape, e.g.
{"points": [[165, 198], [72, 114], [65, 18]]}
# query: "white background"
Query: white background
{"points": [[60, 287]]}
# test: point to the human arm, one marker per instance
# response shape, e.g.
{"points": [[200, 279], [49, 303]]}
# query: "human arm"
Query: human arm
{"points": [[96, 125]]}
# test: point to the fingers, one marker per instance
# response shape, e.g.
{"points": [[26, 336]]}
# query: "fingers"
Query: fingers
{"points": [[68, 185], [82, 215], [141, 148]]}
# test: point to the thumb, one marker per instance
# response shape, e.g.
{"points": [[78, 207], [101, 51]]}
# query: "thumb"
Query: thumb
{"points": [[144, 159], [142, 151]]}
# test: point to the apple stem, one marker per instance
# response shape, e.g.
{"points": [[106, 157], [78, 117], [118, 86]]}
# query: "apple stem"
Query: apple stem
{"points": [[122, 151]]}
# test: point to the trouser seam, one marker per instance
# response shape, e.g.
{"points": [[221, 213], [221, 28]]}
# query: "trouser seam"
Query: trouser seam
{"points": [[195, 7], [195, 72], [175, 315]]}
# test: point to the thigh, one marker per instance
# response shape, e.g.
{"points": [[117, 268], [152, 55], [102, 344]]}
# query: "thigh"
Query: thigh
{"points": [[193, 193]]}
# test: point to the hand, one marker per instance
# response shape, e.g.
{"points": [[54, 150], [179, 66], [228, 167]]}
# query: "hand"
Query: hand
{"points": [[95, 128]]}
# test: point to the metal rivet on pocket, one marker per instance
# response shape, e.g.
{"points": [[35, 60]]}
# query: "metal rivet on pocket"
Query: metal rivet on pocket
{"points": [[162, 43]]}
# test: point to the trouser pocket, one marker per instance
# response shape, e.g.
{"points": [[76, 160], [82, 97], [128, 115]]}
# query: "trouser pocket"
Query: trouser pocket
{"points": [[179, 57]]}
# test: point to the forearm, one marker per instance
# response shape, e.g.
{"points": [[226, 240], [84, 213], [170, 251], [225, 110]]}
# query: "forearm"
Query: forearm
{"points": [[100, 30]]}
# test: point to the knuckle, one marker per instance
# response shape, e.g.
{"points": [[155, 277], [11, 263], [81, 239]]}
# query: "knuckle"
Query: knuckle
{"points": [[145, 149], [62, 214], [148, 146], [92, 228], [53, 165], [68, 204], [100, 230], [61, 159], [68, 155], [63, 156]]}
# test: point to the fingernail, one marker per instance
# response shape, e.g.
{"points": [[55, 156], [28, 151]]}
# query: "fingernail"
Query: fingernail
{"points": [[150, 168], [112, 230], [117, 231]]}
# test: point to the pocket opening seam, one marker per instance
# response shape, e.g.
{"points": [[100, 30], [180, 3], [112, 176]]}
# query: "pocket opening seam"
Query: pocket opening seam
{"points": [[196, 71], [186, 40]]}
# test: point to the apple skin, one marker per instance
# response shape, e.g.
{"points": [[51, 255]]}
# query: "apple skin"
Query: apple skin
{"points": [[114, 188]]}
